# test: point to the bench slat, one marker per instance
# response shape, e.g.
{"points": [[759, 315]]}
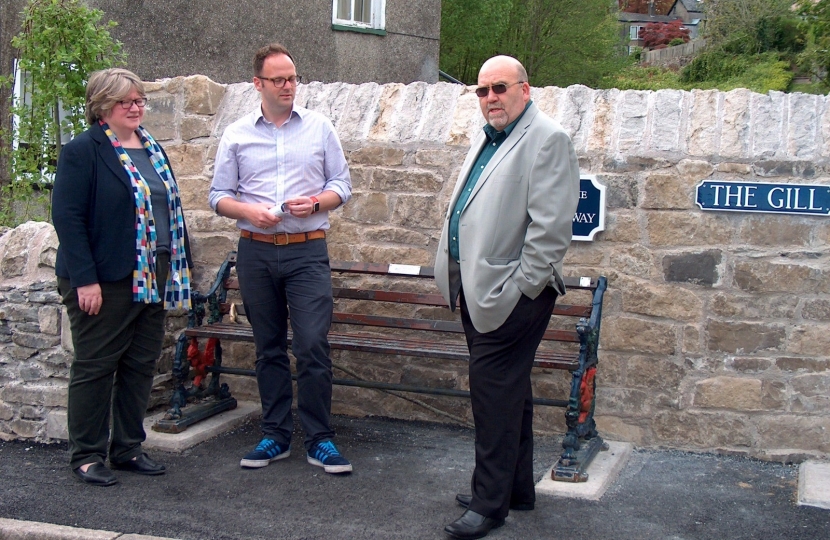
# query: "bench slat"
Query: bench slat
{"points": [[385, 345]]}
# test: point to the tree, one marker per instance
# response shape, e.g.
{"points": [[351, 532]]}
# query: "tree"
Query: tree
{"points": [[560, 42], [657, 34], [661, 7], [815, 58], [746, 26], [61, 43]]}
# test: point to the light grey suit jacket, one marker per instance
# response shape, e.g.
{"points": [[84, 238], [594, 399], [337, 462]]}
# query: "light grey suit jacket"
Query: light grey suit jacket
{"points": [[516, 226]]}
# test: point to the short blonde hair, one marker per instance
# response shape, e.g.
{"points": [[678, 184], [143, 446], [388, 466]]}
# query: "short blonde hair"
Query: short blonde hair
{"points": [[106, 88]]}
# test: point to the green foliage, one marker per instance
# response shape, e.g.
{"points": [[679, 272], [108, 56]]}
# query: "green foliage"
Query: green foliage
{"points": [[560, 42], [642, 78], [814, 59], [748, 26], [61, 43]]}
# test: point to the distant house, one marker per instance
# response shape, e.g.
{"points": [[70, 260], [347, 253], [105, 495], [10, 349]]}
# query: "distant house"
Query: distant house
{"points": [[353, 41], [689, 11]]}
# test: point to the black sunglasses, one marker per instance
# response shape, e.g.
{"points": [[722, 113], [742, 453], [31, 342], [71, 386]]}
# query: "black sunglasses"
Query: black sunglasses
{"points": [[500, 88]]}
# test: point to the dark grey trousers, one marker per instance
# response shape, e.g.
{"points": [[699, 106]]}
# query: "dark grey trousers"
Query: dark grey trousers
{"points": [[115, 359]]}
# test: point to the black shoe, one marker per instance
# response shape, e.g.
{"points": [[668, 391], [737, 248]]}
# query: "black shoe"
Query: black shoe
{"points": [[464, 501], [140, 465], [96, 475], [472, 525]]}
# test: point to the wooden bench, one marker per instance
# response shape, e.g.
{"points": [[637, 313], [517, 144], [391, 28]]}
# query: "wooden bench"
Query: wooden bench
{"points": [[395, 310]]}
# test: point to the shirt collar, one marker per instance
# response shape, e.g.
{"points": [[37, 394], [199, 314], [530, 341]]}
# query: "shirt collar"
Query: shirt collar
{"points": [[491, 131], [296, 110]]}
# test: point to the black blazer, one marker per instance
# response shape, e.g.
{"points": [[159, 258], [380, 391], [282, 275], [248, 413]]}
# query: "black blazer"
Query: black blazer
{"points": [[93, 211]]}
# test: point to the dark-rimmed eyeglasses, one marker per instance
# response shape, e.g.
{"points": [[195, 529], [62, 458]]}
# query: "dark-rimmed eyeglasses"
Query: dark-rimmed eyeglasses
{"points": [[279, 82], [128, 103], [499, 88]]}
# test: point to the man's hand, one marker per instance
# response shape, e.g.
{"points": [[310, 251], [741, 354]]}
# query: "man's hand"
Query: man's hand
{"points": [[300, 207], [260, 216], [90, 299]]}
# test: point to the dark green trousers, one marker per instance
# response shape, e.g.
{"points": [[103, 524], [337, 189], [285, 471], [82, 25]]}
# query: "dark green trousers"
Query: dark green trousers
{"points": [[115, 360]]}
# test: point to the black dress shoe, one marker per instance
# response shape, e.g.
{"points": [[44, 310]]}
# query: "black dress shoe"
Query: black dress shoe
{"points": [[140, 465], [96, 475], [472, 525], [464, 501]]}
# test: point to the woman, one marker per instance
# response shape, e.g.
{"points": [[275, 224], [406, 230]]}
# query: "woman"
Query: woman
{"points": [[121, 262]]}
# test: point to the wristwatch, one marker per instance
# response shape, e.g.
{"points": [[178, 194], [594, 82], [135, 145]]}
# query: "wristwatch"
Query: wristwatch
{"points": [[316, 207]]}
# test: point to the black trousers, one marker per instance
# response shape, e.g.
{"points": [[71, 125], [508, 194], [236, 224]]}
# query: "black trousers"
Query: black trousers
{"points": [[502, 402], [115, 360], [275, 280]]}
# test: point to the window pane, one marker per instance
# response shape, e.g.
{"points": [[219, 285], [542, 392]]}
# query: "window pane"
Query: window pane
{"points": [[344, 9], [363, 11]]}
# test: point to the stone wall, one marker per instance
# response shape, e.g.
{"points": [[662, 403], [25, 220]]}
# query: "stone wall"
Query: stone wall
{"points": [[715, 325]]}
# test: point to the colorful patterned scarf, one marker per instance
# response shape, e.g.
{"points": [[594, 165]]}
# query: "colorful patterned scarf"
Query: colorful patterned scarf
{"points": [[145, 288]]}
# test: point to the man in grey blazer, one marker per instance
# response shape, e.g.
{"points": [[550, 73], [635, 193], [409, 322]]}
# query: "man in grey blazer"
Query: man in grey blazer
{"points": [[500, 255]]}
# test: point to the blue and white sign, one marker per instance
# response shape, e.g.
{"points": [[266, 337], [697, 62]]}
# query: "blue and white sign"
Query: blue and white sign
{"points": [[590, 212], [799, 199]]}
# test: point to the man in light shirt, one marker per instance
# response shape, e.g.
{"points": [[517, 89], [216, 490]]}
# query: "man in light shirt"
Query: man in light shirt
{"points": [[278, 172]]}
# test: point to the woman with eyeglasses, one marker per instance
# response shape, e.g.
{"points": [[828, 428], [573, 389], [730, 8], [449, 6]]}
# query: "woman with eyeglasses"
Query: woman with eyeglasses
{"points": [[123, 260]]}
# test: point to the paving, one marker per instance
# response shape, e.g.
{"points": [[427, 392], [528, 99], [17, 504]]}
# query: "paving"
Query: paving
{"points": [[405, 479]]}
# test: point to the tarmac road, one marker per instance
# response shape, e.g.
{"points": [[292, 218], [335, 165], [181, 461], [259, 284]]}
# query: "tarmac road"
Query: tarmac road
{"points": [[405, 479]]}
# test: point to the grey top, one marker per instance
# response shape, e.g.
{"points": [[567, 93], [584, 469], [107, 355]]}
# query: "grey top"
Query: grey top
{"points": [[158, 197]]}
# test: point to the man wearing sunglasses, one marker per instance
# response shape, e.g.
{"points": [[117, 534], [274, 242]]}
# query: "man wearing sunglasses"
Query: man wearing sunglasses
{"points": [[279, 171], [500, 256]]}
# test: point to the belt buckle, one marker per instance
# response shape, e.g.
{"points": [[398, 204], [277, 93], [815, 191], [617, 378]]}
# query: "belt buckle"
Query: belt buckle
{"points": [[277, 235]]}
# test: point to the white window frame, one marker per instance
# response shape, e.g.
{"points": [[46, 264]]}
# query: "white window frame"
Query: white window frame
{"points": [[634, 32], [377, 18]]}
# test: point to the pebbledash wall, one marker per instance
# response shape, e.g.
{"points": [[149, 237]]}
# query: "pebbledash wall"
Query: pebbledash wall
{"points": [[715, 332]]}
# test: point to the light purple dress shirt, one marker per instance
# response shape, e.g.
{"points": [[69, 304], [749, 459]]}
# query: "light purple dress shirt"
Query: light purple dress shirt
{"points": [[258, 162]]}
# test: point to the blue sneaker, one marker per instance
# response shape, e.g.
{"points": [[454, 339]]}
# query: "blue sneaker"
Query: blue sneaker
{"points": [[324, 454], [266, 451]]}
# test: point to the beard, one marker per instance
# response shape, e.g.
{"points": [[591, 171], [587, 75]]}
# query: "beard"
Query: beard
{"points": [[497, 118]]}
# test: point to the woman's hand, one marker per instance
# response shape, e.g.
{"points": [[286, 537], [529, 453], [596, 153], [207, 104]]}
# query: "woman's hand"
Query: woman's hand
{"points": [[90, 299]]}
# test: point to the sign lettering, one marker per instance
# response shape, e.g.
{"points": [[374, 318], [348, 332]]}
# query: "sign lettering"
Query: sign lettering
{"points": [[800, 199], [589, 218]]}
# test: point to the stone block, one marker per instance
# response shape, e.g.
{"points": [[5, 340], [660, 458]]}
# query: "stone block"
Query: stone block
{"points": [[584, 254], [736, 123], [692, 339], [19, 312], [816, 309], [377, 156], [775, 231], [728, 393], [372, 208], [210, 251], [767, 112], [196, 127], [780, 168], [35, 341], [796, 365], [620, 429], [49, 318], [805, 432], [749, 364], [703, 123], [361, 178], [405, 180], [732, 306], [66, 333], [396, 235], [620, 227], [186, 159], [667, 120], [207, 221], [654, 373], [665, 191], [622, 401], [391, 94], [415, 211], [202, 95], [638, 335], [802, 124], [27, 429], [665, 228], [734, 168], [466, 121], [6, 411], [360, 113], [632, 111], [702, 430], [437, 157], [612, 368], [194, 194], [812, 340], [662, 301], [635, 260], [744, 338], [766, 276], [395, 254], [56, 428], [698, 268], [160, 117]]}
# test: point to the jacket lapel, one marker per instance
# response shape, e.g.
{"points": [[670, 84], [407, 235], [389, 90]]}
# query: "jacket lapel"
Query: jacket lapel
{"points": [[108, 155], [506, 147]]}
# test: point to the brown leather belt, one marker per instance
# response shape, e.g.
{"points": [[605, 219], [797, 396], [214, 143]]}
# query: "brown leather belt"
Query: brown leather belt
{"points": [[282, 239]]}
